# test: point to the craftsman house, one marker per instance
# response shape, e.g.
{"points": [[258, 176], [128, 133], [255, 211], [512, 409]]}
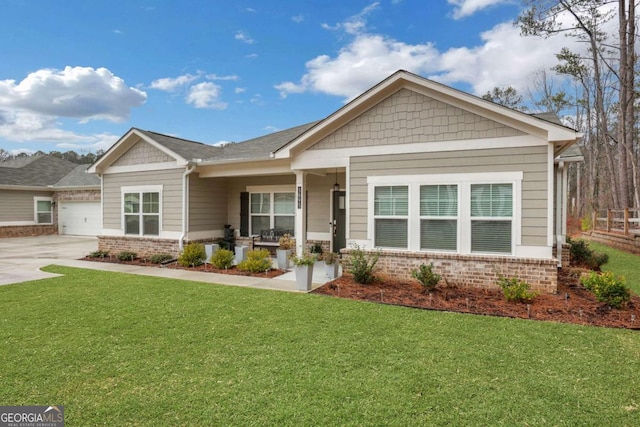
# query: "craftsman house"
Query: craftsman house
{"points": [[412, 168]]}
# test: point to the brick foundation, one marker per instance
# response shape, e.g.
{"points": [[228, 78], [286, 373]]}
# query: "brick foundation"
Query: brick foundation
{"points": [[468, 270], [628, 243], [27, 230], [566, 254], [144, 247]]}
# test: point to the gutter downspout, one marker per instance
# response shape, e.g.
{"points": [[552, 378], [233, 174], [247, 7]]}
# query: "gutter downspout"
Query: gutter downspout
{"points": [[185, 201]]}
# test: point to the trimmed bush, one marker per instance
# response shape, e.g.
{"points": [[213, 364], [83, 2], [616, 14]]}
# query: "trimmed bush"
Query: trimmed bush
{"points": [[258, 261], [159, 258], [515, 290], [581, 253], [98, 254], [607, 288], [425, 275], [127, 256], [363, 266], [192, 255], [222, 258]]}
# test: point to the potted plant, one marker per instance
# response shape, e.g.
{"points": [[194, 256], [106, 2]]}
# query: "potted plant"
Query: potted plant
{"points": [[304, 270], [284, 251], [331, 262]]}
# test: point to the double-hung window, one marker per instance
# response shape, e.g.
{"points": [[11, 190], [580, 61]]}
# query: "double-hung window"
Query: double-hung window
{"points": [[491, 217], [391, 216], [439, 217], [272, 210], [141, 210], [43, 210]]}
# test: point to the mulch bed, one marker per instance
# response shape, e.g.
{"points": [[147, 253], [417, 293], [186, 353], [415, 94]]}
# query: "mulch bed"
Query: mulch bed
{"points": [[572, 304], [205, 268]]}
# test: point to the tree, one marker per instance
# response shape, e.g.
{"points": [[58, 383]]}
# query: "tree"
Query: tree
{"points": [[508, 97]]}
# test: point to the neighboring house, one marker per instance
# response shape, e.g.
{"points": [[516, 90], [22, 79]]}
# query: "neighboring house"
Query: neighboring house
{"points": [[421, 171], [47, 195]]}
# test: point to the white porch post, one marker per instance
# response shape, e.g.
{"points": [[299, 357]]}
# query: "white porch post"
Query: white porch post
{"points": [[301, 211]]}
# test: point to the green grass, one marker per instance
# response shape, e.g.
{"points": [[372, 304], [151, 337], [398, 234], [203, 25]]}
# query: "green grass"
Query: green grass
{"points": [[118, 349], [621, 263]]}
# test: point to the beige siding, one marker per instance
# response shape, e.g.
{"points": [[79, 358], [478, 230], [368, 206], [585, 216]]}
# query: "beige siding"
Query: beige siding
{"points": [[319, 201], [408, 117], [238, 185], [171, 180], [531, 160], [207, 203], [18, 205], [142, 152]]}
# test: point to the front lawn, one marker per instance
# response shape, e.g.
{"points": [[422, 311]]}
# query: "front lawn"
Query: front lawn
{"points": [[118, 349], [621, 263]]}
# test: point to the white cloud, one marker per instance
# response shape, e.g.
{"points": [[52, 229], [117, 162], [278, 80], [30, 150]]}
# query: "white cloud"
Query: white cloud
{"points": [[116, 31], [355, 24], [206, 95], [464, 8], [244, 37], [231, 77], [240, 90], [169, 84], [84, 93], [298, 18], [270, 128]]}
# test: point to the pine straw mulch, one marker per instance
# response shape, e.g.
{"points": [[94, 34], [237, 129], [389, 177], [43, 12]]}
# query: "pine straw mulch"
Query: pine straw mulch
{"points": [[205, 268], [572, 304]]}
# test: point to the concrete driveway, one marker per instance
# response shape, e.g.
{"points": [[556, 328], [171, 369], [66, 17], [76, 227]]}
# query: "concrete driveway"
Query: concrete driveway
{"points": [[22, 257]]}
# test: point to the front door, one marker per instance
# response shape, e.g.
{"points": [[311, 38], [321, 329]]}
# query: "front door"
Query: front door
{"points": [[339, 220]]}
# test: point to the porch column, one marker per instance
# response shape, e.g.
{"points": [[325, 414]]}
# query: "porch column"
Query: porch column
{"points": [[301, 211]]}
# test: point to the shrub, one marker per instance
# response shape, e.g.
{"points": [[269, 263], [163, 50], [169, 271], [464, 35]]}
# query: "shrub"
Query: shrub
{"points": [[515, 290], [192, 255], [316, 249], [607, 288], [362, 265], [426, 276], [286, 242], [586, 223], [258, 260], [331, 258], [160, 258], [127, 256], [98, 254], [581, 253], [222, 258], [305, 259]]}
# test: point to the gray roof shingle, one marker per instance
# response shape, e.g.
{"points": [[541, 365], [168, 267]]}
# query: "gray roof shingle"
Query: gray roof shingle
{"points": [[39, 171], [188, 150], [79, 177]]}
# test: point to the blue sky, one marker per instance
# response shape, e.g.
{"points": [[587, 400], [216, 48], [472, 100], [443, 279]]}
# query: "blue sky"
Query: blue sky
{"points": [[77, 74]]}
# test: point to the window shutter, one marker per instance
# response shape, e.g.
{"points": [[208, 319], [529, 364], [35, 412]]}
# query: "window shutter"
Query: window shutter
{"points": [[244, 214]]}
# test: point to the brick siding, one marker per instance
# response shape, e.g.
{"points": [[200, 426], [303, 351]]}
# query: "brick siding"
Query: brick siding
{"points": [[467, 270], [27, 230]]}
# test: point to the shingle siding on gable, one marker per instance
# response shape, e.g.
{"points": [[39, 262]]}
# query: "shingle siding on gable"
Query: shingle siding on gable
{"points": [[409, 117], [142, 152]]}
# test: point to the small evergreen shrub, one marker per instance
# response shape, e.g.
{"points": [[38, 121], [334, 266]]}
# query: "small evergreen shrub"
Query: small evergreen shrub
{"points": [[515, 290], [581, 253], [586, 223], [222, 258], [426, 276], [159, 258], [607, 288], [98, 254], [305, 259], [192, 255], [258, 261], [127, 256], [331, 258], [363, 266]]}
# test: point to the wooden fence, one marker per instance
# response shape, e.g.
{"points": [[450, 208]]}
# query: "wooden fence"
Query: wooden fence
{"points": [[624, 221]]}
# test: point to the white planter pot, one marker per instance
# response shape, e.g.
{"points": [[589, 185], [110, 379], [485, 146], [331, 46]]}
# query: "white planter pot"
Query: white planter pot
{"points": [[210, 250], [331, 270], [283, 258], [241, 253], [304, 276]]}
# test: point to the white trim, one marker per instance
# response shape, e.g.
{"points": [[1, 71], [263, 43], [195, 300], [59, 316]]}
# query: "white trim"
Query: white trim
{"points": [[114, 232], [143, 167], [37, 199], [537, 252], [550, 200], [17, 223], [311, 159], [140, 189], [447, 178], [347, 203]]}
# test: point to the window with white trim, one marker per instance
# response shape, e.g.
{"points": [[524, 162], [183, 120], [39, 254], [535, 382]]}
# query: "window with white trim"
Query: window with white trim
{"points": [[391, 216], [439, 217], [491, 217], [141, 213], [43, 210], [272, 210]]}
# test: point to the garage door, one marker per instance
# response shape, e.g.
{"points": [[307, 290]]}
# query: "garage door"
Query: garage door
{"points": [[79, 218]]}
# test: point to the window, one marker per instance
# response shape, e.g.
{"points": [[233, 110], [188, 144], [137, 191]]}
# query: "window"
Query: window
{"points": [[272, 210], [44, 210], [391, 216], [439, 217], [491, 217], [142, 213]]}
